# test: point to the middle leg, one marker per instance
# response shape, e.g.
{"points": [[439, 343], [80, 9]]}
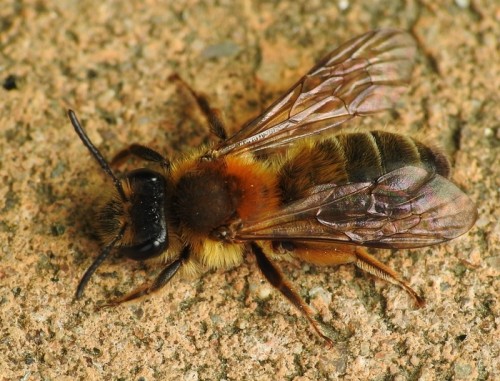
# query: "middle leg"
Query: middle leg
{"points": [[211, 114], [278, 280]]}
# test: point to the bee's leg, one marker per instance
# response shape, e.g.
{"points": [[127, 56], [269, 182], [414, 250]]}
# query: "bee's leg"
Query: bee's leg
{"points": [[278, 280], [373, 266], [328, 255], [213, 115], [161, 280], [142, 152]]}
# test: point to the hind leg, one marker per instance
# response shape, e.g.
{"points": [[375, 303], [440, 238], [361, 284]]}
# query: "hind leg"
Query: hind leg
{"points": [[373, 266], [327, 255]]}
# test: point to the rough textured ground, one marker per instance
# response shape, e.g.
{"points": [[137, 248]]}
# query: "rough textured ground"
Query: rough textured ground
{"points": [[110, 61]]}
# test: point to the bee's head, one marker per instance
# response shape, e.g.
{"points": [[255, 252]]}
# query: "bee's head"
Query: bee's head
{"points": [[146, 233], [133, 220]]}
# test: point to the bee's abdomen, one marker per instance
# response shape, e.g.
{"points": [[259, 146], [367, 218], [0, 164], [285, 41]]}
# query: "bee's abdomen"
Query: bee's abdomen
{"points": [[354, 157], [370, 155]]}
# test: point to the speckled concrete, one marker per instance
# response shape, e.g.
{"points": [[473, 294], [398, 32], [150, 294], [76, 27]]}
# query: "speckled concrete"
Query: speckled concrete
{"points": [[110, 62]]}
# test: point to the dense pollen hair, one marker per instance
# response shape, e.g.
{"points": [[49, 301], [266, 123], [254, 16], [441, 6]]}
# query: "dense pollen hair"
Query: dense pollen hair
{"points": [[208, 194]]}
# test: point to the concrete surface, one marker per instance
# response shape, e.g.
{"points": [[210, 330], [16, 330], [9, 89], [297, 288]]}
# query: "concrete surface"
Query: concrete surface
{"points": [[110, 61]]}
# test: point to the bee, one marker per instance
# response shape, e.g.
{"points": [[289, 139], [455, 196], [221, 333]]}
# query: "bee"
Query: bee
{"points": [[290, 184]]}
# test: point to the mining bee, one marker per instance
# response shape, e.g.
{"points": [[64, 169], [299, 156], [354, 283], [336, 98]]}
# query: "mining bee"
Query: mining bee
{"points": [[290, 184]]}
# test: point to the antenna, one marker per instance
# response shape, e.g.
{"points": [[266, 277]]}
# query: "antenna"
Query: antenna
{"points": [[97, 262], [95, 152]]}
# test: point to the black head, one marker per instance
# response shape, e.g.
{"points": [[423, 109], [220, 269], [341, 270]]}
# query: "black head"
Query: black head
{"points": [[134, 221], [146, 213]]}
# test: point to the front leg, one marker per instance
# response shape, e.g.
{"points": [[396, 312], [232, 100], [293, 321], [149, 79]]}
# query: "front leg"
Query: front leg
{"points": [[142, 152], [161, 280]]}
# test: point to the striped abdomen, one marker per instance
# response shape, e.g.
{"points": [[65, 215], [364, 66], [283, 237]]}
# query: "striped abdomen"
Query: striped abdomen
{"points": [[354, 157]]}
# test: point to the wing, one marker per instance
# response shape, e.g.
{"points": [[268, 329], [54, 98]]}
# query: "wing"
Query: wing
{"points": [[361, 77], [408, 207]]}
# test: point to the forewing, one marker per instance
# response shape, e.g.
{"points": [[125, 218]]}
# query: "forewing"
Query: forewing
{"points": [[408, 207], [364, 76]]}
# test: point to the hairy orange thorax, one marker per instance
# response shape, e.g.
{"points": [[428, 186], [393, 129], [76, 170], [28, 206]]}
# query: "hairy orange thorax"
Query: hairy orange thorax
{"points": [[214, 193]]}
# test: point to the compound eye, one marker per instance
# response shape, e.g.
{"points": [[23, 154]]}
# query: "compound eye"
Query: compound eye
{"points": [[148, 227]]}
